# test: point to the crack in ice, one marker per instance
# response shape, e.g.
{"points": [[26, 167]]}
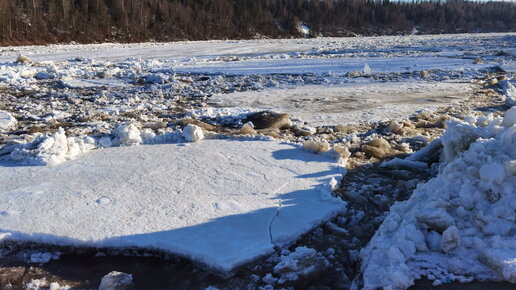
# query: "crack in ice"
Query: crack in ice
{"points": [[277, 211]]}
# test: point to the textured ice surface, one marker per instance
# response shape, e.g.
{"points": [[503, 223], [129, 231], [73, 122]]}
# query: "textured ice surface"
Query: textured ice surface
{"points": [[222, 202]]}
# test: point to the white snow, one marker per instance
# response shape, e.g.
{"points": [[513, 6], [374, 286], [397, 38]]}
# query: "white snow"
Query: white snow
{"points": [[509, 117], [193, 133], [461, 224], [444, 45], [324, 81], [303, 29], [227, 202], [336, 66], [91, 84], [509, 91], [7, 121], [49, 149], [126, 134], [53, 149], [222, 202]]}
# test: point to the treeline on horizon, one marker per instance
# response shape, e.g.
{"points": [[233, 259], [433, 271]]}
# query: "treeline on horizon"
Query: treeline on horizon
{"points": [[88, 21]]}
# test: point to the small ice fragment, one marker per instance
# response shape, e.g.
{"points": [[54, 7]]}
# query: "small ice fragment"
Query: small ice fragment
{"points": [[193, 133], [367, 69], [116, 281]]}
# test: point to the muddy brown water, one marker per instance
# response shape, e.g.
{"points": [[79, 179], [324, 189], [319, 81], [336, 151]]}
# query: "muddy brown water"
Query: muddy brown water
{"points": [[85, 271]]}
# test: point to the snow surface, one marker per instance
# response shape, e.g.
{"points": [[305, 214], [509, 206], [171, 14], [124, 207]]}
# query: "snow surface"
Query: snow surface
{"points": [[461, 224], [228, 202], [353, 103], [7, 121], [222, 202]]}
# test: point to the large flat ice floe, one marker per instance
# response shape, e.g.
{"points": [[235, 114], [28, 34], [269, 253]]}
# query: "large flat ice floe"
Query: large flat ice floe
{"points": [[222, 202], [353, 103], [338, 66]]}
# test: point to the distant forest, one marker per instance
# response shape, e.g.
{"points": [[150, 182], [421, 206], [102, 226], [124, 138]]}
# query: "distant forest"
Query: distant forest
{"points": [[87, 21]]}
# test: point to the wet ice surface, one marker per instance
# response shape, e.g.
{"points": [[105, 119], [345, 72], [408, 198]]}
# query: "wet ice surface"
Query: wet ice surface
{"points": [[354, 103]]}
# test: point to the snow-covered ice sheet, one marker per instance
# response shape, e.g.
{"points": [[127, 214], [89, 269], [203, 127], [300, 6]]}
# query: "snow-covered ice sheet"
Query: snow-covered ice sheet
{"points": [[338, 66], [223, 202], [177, 51], [353, 103], [194, 51]]}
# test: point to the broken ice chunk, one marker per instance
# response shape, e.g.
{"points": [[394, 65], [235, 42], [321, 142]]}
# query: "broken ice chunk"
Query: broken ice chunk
{"points": [[193, 133], [116, 280], [436, 218], [450, 239], [502, 261]]}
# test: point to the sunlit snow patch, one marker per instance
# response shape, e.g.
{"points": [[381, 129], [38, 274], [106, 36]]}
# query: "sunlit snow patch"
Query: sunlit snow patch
{"points": [[222, 202]]}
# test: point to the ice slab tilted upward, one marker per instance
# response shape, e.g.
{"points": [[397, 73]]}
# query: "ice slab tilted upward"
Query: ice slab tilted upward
{"points": [[218, 201]]}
